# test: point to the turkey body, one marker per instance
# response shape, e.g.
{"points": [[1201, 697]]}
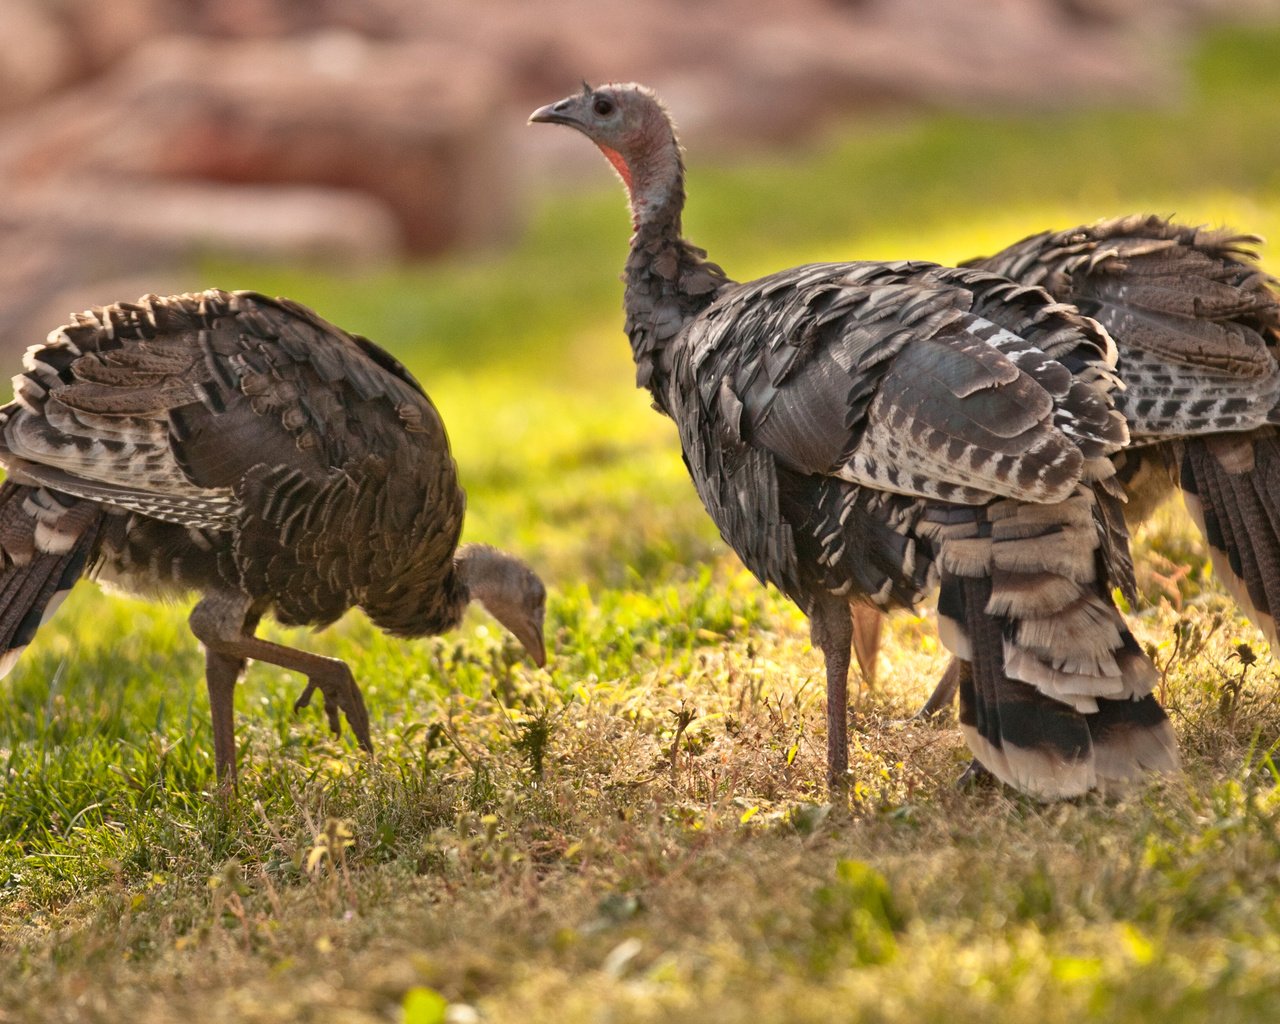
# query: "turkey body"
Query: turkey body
{"points": [[861, 431], [242, 448], [866, 431]]}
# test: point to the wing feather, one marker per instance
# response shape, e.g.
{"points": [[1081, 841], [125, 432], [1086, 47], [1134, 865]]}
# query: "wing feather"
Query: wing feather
{"points": [[164, 405], [913, 379], [1195, 318]]}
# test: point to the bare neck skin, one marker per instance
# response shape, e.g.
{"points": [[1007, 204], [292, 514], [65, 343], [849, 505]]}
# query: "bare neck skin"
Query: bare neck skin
{"points": [[668, 281]]}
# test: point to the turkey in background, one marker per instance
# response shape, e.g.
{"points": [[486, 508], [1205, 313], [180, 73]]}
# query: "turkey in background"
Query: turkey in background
{"points": [[1196, 323]]}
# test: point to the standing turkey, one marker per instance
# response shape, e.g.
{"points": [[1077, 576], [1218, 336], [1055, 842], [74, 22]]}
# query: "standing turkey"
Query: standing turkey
{"points": [[1197, 327], [243, 448], [860, 430]]}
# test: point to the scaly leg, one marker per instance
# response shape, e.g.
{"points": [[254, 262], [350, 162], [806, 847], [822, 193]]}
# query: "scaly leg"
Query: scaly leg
{"points": [[221, 674], [221, 622], [943, 694], [831, 627]]}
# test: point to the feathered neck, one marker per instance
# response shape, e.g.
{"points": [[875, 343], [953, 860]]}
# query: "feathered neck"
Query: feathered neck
{"points": [[669, 281]]}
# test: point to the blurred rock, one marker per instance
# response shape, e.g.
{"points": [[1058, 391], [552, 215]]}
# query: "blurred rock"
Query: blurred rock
{"points": [[137, 134], [137, 224], [57, 253], [407, 124], [37, 56]]}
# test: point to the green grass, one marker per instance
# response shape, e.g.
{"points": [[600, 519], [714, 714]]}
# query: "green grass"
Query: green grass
{"points": [[639, 832]]}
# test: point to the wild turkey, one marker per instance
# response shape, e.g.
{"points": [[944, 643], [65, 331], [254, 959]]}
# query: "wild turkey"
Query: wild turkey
{"points": [[859, 430], [1197, 326], [243, 448]]}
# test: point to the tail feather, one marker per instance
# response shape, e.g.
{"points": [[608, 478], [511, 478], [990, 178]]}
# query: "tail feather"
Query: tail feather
{"points": [[1046, 651], [1266, 482], [1241, 553], [27, 592], [41, 561], [1130, 738], [21, 588], [1032, 742], [1264, 545], [1231, 487]]}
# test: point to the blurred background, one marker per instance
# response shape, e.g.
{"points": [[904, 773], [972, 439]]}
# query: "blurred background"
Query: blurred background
{"points": [[145, 144], [371, 158]]}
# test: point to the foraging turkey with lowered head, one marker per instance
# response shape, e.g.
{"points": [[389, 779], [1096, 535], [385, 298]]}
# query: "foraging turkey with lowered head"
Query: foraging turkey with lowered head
{"points": [[242, 448], [859, 431]]}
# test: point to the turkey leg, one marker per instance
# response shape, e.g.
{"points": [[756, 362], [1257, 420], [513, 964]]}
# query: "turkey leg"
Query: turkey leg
{"points": [[831, 628], [219, 621], [221, 675], [943, 694]]}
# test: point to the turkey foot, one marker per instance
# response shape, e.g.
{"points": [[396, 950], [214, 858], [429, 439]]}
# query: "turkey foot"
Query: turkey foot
{"points": [[339, 692], [975, 774], [224, 622], [944, 694]]}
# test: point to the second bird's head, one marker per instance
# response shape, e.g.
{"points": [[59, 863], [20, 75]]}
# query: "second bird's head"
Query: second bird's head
{"points": [[509, 591]]}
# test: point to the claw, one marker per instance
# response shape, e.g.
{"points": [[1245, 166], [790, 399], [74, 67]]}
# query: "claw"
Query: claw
{"points": [[358, 719], [976, 774], [944, 693], [304, 699], [345, 699]]}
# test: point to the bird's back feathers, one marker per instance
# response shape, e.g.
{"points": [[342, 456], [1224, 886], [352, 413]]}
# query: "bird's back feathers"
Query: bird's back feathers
{"points": [[233, 440]]}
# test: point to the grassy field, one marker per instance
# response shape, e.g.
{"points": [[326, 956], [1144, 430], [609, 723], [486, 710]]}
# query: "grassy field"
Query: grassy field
{"points": [[639, 832]]}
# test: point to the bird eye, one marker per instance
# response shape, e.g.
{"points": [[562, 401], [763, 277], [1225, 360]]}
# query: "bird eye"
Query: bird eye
{"points": [[603, 106]]}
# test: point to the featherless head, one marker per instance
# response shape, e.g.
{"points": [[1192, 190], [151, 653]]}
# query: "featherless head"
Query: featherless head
{"points": [[509, 591], [632, 129]]}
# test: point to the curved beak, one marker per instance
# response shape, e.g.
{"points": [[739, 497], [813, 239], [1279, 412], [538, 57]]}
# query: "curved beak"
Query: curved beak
{"points": [[535, 646], [563, 111]]}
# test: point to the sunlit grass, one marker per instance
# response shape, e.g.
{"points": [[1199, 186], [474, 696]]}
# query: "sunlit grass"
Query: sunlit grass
{"points": [[639, 832]]}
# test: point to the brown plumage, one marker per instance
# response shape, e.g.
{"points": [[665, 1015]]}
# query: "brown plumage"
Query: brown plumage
{"points": [[860, 431], [1197, 326], [1197, 329], [242, 448]]}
